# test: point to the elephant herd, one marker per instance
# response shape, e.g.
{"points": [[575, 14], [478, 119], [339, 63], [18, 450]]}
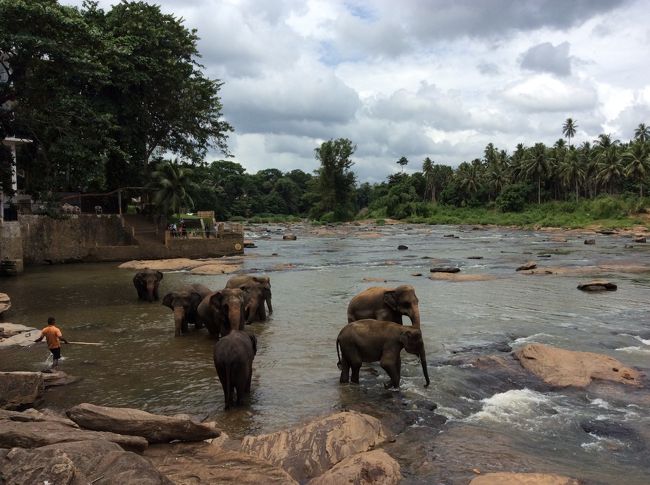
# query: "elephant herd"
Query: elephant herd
{"points": [[374, 332]]}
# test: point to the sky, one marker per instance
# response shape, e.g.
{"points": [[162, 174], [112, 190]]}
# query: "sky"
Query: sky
{"points": [[418, 78]]}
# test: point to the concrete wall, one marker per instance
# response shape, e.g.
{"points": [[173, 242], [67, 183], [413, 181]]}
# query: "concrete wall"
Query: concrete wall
{"points": [[11, 242], [84, 237], [48, 240]]}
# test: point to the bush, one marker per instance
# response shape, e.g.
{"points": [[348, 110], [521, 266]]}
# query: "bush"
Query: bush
{"points": [[513, 198]]}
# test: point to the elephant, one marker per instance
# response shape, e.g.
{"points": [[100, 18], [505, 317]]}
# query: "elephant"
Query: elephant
{"points": [[222, 311], [146, 282], [184, 303], [247, 281], [233, 359], [377, 340], [387, 304]]}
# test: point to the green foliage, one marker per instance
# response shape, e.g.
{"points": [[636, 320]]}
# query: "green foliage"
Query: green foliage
{"points": [[336, 181], [513, 198], [172, 185]]}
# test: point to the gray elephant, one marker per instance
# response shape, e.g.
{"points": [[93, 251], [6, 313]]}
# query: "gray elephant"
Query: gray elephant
{"points": [[233, 359], [184, 304], [222, 311], [388, 304], [377, 340], [146, 282], [249, 281]]}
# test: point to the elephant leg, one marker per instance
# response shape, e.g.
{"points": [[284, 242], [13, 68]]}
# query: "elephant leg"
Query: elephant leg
{"points": [[392, 367], [345, 371], [248, 381], [356, 367], [225, 386], [184, 326]]}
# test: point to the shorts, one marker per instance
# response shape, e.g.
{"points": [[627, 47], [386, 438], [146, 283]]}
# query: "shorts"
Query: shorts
{"points": [[56, 353]]}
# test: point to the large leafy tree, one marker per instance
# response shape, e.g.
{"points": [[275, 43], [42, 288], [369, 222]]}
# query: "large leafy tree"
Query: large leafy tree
{"points": [[336, 181], [172, 184]]}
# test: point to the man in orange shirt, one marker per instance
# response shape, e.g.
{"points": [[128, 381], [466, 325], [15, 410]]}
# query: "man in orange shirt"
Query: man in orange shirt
{"points": [[53, 337]]}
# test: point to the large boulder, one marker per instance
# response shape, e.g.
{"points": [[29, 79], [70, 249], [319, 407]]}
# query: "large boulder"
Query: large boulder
{"points": [[10, 329], [134, 422], [308, 451], [371, 468], [19, 390], [13, 334], [507, 478], [79, 463], [34, 434], [190, 463], [561, 368]]}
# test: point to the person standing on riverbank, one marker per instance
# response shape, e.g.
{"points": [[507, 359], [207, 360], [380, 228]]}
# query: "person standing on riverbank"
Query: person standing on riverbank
{"points": [[54, 337]]}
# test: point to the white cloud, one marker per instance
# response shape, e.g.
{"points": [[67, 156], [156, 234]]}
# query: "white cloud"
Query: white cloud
{"points": [[543, 92]]}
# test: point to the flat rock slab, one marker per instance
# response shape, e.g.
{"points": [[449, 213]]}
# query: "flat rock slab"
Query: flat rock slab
{"points": [[177, 264], [134, 422], [562, 368], [20, 389], [57, 378], [444, 269], [215, 268], [37, 434], [76, 463], [17, 335], [204, 463], [597, 285], [9, 329], [507, 478], [371, 468], [310, 450]]}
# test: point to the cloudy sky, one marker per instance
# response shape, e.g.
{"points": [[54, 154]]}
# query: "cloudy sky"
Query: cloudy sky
{"points": [[419, 78]]}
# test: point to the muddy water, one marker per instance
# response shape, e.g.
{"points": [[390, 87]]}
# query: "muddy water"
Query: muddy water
{"points": [[597, 436]]}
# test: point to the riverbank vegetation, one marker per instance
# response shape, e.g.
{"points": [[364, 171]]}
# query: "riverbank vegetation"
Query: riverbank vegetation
{"points": [[106, 108]]}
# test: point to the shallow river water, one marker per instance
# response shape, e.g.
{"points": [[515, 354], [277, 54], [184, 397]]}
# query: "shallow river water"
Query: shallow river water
{"points": [[140, 363]]}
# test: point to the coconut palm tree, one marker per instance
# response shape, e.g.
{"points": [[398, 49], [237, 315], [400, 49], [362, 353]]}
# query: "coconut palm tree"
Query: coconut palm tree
{"points": [[572, 171], [537, 164], [427, 171], [609, 167], [569, 129], [638, 163], [172, 185], [642, 133]]}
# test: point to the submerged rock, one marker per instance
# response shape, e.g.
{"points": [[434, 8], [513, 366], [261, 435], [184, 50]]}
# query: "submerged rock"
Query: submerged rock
{"points": [[590, 241], [597, 285], [289, 237], [19, 390], [308, 451], [444, 269], [98, 462], [152, 427], [562, 368], [509, 478], [402, 247], [373, 467], [461, 277], [639, 239]]}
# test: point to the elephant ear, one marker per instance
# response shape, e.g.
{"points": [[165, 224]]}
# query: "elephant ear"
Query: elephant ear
{"points": [[390, 299], [159, 275], [403, 337], [254, 342], [167, 300], [216, 299], [195, 299]]}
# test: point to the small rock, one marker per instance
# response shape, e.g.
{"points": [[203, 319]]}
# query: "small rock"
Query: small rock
{"points": [[474, 257], [289, 237], [451, 236], [639, 239], [590, 241], [5, 303], [444, 269], [544, 255], [598, 285], [402, 247], [416, 274], [249, 244], [529, 265], [607, 232]]}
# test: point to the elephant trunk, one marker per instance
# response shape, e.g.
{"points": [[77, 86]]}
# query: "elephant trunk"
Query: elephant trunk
{"points": [[415, 317], [423, 361], [151, 290], [179, 316], [235, 317]]}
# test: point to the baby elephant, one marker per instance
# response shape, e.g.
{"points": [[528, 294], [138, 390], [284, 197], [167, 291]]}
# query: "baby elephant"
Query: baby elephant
{"points": [[233, 359], [377, 340]]}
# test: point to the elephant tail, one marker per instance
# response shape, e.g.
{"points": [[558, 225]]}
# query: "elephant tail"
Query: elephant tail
{"points": [[338, 364]]}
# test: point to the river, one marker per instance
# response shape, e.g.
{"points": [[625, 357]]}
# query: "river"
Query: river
{"points": [[140, 363]]}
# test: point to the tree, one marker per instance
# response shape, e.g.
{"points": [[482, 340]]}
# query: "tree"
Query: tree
{"points": [[609, 167], [569, 129], [336, 182], [642, 133], [172, 185], [638, 163], [402, 162], [537, 164], [572, 171]]}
